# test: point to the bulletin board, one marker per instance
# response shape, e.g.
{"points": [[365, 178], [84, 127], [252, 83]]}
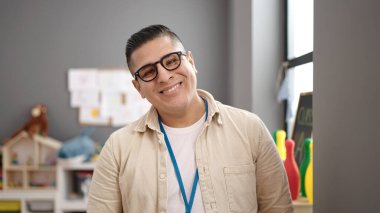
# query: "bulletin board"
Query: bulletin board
{"points": [[303, 126], [105, 97]]}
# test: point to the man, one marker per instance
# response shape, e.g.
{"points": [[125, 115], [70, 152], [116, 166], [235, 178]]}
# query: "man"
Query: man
{"points": [[189, 152]]}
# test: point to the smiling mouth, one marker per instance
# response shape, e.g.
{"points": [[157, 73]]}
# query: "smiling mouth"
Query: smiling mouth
{"points": [[171, 89]]}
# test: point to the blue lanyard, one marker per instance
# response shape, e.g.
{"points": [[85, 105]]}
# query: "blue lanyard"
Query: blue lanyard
{"points": [[189, 204]]}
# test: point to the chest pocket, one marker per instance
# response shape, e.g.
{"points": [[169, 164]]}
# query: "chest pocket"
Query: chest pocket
{"points": [[241, 188]]}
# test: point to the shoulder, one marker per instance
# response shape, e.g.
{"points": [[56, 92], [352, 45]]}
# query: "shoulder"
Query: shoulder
{"points": [[242, 120], [232, 117], [228, 112], [123, 141], [125, 133]]}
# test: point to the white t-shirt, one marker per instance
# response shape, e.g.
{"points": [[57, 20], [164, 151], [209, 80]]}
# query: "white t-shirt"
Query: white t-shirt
{"points": [[182, 141]]}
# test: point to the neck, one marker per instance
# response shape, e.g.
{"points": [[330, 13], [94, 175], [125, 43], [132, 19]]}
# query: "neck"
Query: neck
{"points": [[185, 118]]}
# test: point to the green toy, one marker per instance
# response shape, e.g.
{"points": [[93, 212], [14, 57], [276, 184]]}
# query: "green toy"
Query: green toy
{"points": [[275, 136], [304, 164]]}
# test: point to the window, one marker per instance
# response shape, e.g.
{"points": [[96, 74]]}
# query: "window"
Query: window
{"points": [[299, 28], [298, 56]]}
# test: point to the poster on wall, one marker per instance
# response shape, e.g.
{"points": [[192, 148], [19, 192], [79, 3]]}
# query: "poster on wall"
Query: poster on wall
{"points": [[105, 96], [303, 126]]}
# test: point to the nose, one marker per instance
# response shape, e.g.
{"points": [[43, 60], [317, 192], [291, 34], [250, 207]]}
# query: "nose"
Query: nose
{"points": [[163, 74]]}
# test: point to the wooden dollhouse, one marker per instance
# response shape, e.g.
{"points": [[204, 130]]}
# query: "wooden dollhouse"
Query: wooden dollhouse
{"points": [[30, 162]]}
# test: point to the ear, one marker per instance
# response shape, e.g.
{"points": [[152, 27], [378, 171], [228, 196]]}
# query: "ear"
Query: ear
{"points": [[191, 60], [136, 84]]}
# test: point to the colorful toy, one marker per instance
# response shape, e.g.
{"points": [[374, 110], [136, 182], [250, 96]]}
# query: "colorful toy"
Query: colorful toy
{"points": [[80, 145], [304, 164], [280, 136], [275, 136], [309, 177], [292, 169], [35, 155], [14, 158], [37, 124]]}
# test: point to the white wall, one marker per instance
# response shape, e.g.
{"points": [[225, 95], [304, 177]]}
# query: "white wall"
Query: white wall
{"points": [[240, 53], [268, 54], [256, 52]]}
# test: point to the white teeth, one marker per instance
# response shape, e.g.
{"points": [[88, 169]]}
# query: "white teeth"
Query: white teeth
{"points": [[171, 89]]}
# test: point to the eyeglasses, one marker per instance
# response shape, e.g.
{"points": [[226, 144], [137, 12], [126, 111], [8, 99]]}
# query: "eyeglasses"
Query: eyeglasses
{"points": [[169, 61]]}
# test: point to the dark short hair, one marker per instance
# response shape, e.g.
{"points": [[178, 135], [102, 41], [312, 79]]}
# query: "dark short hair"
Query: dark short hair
{"points": [[147, 34]]}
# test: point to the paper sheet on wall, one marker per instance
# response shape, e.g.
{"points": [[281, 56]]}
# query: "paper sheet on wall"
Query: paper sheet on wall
{"points": [[92, 116], [105, 97], [84, 98], [112, 102], [130, 113], [83, 79], [116, 80]]}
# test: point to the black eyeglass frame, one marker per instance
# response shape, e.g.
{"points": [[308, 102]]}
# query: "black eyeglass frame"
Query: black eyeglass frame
{"points": [[161, 61]]}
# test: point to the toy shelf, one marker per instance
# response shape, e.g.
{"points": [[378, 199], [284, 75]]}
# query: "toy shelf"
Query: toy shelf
{"points": [[30, 162], [25, 177], [68, 196]]}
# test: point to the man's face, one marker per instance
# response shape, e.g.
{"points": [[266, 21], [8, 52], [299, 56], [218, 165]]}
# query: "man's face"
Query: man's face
{"points": [[171, 92]]}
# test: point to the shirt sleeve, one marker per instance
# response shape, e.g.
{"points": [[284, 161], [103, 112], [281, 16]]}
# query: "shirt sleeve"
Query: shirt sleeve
{"points": [[273, 194], [104, 194]]}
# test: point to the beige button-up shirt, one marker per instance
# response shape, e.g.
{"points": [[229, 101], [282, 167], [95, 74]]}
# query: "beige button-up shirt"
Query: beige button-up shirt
{"points": [[238, 164]]}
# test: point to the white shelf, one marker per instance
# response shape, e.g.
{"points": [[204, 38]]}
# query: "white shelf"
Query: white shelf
{"points": [[29, 162], [65, 184], [25, 196], [73, 205], [59, 196], [74, 167]]}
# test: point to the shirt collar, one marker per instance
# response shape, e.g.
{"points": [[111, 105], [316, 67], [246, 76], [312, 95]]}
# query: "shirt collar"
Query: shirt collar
{"points": [[150, 119]]}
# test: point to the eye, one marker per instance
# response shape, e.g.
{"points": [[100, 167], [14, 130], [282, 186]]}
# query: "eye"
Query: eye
{"points": [[171, 61], [147, 72]]}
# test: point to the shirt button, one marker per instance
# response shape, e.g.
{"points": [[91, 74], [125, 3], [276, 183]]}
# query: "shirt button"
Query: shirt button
{"points": [[162, 176]]}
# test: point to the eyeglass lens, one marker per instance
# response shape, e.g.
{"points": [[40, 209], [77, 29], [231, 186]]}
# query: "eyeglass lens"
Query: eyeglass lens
{"points": [[170, 62]]}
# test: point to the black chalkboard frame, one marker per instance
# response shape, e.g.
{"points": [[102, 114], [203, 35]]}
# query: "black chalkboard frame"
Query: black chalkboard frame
{"points": [[303, 125]]}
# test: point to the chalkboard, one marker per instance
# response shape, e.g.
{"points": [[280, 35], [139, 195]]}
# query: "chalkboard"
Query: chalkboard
{"points": [[303, 126]]}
